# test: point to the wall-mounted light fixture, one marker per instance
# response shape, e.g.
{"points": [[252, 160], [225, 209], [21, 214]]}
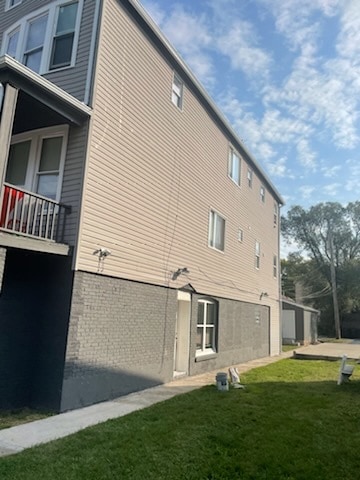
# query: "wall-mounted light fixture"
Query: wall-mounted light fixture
{"points": [[102, 252], [178, 272], [263, 294]]}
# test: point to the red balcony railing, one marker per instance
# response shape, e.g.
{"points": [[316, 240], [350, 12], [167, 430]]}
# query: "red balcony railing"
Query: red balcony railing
{"points": [[29, 214]]}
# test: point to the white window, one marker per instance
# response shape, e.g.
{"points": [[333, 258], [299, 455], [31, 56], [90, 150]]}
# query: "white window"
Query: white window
{"points": [[234, 166], [34, 44], [207, 322], [262, 194], [276, 210], [12, 43], [12, 3], [177, 91], [63, 40], [275, 266], [47, 39], [249, 177], [257, 255], [36, 161], [216, 231]]}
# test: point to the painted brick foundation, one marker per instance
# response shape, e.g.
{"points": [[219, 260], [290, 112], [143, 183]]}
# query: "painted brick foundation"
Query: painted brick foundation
{"points": [[121, 338]]}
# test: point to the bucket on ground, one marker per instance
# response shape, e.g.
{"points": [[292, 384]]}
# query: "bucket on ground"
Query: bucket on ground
{"points": [[222, 382]]}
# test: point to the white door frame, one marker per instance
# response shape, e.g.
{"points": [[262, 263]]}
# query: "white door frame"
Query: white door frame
{"points": [[182, 334]]}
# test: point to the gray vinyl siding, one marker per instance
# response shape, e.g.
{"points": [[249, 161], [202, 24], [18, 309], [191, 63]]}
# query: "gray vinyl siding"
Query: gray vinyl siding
{"points": [[154, 173], [73, 178], [72, 79]]}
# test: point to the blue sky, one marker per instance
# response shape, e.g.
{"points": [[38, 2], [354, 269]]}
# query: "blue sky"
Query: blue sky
{"points": [[286, 74]]}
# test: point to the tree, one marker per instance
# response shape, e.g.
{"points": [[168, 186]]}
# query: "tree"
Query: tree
{"points": [[330, 234]]}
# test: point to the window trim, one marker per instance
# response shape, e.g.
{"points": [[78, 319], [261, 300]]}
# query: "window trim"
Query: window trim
{"points": [[234, 153], [275, 265], [257, 255], [179, 95], [262, 193], [249, 177], [36, 138], [23, 24], [213, 350], [212, 230], [8, 5], [276, 213]]}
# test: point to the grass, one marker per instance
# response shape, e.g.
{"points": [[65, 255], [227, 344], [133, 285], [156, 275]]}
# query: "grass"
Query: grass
{"points": [[11, 418], [335, 340], [291, 422], [287, 348]]}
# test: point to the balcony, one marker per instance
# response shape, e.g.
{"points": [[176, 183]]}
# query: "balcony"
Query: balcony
{"points": [[31, 215]]}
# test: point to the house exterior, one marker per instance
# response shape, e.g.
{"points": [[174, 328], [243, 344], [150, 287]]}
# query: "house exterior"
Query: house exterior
{"points": [[139, 239], [299, 323]]}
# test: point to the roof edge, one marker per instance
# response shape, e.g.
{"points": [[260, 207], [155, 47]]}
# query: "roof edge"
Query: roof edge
{"points": [[16, 70], [204, 94]]}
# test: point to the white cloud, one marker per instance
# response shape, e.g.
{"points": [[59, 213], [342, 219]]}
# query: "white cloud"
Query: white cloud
{"points": [[332, 189], [306, 191], [239, 43], [330, 172], [319, 96], [348, 44], [353, 167], [294, 19], [306, 156], [278, 168]]}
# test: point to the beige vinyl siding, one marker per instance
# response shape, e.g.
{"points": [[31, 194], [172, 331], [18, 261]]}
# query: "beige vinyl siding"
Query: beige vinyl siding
{"points": [[154, 174], [70, 79]]}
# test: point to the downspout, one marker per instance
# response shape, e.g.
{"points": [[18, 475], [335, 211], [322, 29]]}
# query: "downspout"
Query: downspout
{"points": [[92, 53]]}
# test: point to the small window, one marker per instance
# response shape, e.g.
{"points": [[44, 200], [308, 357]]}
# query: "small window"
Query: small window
{"points": [[275, 266], [63, 41], [240, 235], [12, 3], [12, 43], [262, 194], [216, 231], [257, 255], [276, 210], [234, 166], [35, 43], [177, 92], [207, 324], [249, 177]]}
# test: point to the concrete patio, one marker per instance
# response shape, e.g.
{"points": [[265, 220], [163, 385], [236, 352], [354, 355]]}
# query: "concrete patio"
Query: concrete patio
{"points": [[329, 351]]}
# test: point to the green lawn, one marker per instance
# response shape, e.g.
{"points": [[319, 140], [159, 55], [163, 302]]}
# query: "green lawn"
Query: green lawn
{"points": [[291, 422], [11, 418]]}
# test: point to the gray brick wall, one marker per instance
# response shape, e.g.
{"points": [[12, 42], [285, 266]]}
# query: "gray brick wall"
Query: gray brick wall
{"points": [[120, 339], [243, 334], [2, 265]]}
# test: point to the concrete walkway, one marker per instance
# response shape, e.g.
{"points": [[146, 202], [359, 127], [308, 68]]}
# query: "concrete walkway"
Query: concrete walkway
{"points": [[329, 351], [16, 439]]}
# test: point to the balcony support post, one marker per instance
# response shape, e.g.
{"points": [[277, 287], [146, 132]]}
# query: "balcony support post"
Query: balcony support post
{"points": [[6, 126]]}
